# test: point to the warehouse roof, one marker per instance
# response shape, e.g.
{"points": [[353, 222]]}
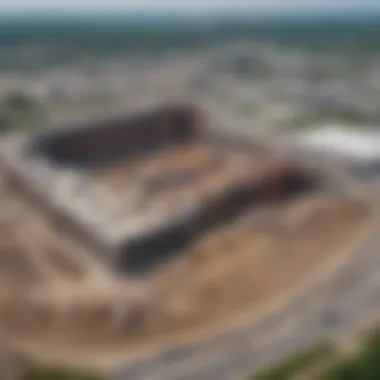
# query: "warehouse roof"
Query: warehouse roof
{"points": [[340, 141]]}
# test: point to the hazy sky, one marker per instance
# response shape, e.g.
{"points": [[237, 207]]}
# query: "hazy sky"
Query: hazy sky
{"points": [[189, 5]]}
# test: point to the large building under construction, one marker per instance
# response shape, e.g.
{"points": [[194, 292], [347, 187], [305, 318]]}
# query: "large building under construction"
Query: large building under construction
{"points": [[140, 228], [137, 189]]}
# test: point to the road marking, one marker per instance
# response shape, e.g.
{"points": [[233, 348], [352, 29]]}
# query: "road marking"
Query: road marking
{"points": [[202, 361], [190, 366], [370, 283], [285, 328]]}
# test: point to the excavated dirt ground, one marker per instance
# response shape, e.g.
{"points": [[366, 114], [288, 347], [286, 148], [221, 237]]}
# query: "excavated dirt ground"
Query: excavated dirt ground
{"points": [[246, 265], [54, 291], [191, 173]]}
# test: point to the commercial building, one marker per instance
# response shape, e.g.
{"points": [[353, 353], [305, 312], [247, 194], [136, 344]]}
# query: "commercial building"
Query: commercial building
{"points": [[359, 149]]}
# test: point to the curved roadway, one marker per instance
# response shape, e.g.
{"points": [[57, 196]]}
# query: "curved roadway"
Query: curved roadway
{"points": [[324, 310]]}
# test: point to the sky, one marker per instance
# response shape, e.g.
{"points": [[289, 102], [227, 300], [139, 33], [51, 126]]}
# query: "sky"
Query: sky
{"points": [[254, 6]]}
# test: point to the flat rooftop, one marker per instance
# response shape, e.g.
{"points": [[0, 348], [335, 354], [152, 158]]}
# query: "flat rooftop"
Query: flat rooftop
{"points": [[356, 145]]}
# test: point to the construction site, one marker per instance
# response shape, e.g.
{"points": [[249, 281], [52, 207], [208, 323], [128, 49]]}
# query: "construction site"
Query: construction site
{"points": [[155, 226]]}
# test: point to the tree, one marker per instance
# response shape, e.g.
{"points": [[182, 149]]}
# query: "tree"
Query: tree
{"points": [[5, 122], [19, 109], [19, 101]]}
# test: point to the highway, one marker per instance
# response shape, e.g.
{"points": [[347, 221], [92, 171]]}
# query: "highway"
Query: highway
{"points": [[338, 304]]}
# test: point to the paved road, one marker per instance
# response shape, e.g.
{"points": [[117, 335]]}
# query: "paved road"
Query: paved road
{"points": [[338, 304]]}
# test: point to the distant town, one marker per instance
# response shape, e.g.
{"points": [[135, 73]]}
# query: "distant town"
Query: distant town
{"points": [[255, 78]]}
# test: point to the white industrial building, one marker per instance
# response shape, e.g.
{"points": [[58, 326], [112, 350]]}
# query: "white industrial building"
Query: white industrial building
{"points": [[358, 148]]}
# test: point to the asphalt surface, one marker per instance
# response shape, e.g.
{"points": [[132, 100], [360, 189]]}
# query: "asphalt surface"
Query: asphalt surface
{"points": [[326, 309]]}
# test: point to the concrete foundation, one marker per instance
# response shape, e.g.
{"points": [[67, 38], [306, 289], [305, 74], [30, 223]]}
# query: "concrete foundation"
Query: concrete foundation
{"points": [[178, 180]]}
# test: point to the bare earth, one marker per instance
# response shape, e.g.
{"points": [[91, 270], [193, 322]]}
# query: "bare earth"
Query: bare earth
{"points": [[57, 294]]}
